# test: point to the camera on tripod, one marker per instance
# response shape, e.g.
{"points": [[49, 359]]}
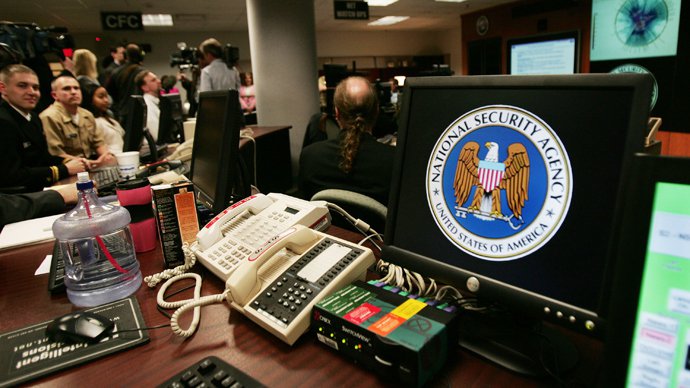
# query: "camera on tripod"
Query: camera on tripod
{"points": [[185, 57]]}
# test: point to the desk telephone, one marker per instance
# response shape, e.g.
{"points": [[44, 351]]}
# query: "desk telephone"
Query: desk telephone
{"points": [[275, 267], [281, 281], [230, 237]]}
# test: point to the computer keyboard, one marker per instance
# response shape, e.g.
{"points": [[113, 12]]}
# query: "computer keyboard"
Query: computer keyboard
{"points": [[105, 176], [56, 277], [211, 371]]}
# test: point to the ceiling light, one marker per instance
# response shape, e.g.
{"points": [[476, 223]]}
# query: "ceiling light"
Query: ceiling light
{"points": [[156, 20], [388, 20], [380, 3]]}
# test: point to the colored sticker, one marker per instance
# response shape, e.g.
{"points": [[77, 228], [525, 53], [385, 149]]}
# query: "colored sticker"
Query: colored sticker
{"points": [[362, 313], [386, 325], [409, 308]]}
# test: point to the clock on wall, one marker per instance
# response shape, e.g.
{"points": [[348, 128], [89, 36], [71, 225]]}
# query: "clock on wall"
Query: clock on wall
{"points": [[635, 68], [482, 25]]}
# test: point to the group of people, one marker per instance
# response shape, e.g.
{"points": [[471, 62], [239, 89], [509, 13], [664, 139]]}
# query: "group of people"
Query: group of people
{"points": [[80, 131]]}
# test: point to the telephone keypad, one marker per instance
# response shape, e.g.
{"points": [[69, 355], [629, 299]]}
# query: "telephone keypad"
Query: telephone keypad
{"points": [[296, 293]]}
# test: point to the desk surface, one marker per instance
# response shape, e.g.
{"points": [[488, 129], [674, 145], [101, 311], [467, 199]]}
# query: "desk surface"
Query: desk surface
{"points": [[24, 300]]}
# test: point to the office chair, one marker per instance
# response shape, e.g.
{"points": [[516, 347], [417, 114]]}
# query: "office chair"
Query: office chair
{"points": [[357, 205]]}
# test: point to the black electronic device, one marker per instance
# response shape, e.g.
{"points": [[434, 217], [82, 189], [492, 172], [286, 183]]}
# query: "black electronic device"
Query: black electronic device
{"points": [[56, 276], [215, 168], [544, 54], [134, 124], [79, 326], [508, 187], [404, 338], [171, 119], [648, 336], [211, 371]]}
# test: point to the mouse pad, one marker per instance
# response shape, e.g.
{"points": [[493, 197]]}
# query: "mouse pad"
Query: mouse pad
{"points": [[27, 353]]}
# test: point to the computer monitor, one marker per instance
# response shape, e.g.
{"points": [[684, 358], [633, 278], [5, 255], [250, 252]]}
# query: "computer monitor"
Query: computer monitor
{"points": [[648, 335], [215, 169], [171, 119], [506, 187], [544, 54], [134, 124]]}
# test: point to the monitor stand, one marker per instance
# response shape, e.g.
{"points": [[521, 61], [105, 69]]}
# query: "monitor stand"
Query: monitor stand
{"points": [[526, 346]]}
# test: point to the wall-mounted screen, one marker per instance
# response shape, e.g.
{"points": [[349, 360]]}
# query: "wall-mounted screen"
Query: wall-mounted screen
{"points": [[544, 54], [624, 29]]}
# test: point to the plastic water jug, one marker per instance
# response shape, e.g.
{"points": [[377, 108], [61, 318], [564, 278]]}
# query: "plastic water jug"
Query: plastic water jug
{"points": [[96, 243]]}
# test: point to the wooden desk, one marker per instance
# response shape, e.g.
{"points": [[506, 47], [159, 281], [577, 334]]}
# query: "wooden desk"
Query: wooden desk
{"points": [[24, 300]]}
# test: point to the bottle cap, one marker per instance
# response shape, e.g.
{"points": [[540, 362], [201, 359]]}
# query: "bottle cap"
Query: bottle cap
{"points": [[83, 181], [83, 176]]}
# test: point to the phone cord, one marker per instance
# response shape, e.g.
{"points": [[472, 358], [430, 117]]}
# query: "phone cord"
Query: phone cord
{"points": [[187, 304], [189, 261]]}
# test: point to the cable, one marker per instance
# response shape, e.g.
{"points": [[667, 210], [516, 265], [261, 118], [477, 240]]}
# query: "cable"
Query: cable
{"points": [[187, 304], [364, 228], [189, 261]]}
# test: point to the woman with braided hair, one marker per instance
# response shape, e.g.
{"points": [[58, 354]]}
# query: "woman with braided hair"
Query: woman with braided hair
{"points": [[355, 161]]}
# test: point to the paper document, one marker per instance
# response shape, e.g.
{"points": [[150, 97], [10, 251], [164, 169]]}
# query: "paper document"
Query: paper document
{"points": [[27, 232]]}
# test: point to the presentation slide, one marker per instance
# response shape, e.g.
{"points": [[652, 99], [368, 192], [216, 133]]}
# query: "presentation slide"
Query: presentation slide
{"points": [[625, 29], [548, 57]]}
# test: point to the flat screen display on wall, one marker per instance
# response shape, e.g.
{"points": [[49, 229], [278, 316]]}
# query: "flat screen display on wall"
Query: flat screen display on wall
{"points": [[625, 29]]}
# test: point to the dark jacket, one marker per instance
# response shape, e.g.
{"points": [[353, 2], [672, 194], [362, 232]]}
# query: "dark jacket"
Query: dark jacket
{"points": [[20, 207], [24, 153], [370, 175]]}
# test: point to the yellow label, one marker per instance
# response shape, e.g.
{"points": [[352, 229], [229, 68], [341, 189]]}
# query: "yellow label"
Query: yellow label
{"points": [[409, 308]]}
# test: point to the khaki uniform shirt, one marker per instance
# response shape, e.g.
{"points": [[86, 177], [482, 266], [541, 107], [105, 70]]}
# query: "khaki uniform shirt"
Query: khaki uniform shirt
{"points": [[64, 136]]}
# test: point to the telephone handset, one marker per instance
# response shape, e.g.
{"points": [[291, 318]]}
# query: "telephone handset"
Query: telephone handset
{"points": [[231, 236], [280, 282], [243, 282]]}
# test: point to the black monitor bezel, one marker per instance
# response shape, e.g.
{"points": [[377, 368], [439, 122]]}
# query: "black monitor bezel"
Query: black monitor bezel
{"points": [[575, 34], [134, 124], [170, 127], [227, 174], [520, 301], [648, 170]]}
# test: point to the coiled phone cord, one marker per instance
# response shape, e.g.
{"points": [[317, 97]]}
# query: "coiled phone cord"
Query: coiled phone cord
{"points": [[187, 304], [189, 261]]}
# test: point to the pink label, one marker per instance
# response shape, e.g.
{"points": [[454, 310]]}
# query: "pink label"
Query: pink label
{"points": [[362, 313]]}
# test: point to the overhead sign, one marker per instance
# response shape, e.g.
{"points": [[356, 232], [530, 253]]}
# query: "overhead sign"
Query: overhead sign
{"points": [[353, 10], [121, 21]]}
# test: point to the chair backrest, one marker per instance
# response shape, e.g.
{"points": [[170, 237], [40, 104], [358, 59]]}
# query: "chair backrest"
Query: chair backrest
{"points": [[357, 205]]}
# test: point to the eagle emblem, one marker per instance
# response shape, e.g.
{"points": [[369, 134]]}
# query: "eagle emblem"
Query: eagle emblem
{"points": [[491, 177]]}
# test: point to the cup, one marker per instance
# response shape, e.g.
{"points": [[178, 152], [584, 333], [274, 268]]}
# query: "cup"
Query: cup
{"points": [[135, 196], [189, 126], [128, 164]]}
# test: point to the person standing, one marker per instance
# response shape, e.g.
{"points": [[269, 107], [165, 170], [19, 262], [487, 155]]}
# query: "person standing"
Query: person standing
{"points": [[121, 84], [23, 148], [215, 73]]}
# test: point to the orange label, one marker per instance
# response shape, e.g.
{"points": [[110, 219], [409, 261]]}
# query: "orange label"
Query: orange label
{"points": [[386, 325], [186, 216]]}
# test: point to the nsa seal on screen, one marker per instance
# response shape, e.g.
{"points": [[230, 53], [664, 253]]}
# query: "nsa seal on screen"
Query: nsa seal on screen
{"points": [[499, 182]]}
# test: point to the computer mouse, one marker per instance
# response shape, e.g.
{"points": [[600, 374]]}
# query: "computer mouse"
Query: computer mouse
{"points": [[79, 326]]}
